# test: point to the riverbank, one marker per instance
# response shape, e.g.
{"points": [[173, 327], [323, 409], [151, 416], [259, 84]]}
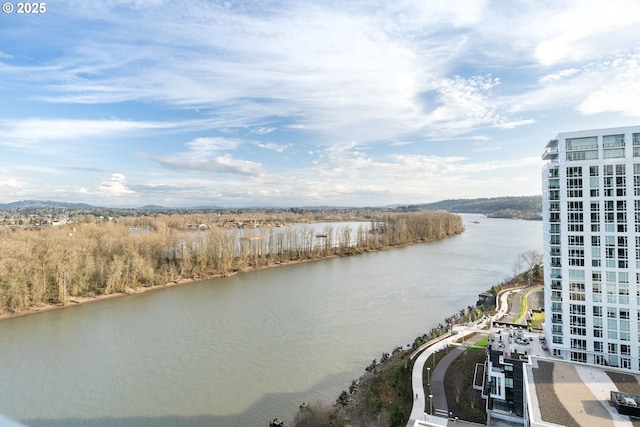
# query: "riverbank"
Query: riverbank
{"points": [[382, 397], [51, 265], [75, 301]]}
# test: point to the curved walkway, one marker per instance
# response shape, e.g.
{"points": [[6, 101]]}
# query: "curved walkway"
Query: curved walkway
{"points": [[418, 409]]}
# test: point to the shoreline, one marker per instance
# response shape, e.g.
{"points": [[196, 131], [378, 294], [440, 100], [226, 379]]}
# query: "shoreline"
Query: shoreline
{"points": [[83, 300]]}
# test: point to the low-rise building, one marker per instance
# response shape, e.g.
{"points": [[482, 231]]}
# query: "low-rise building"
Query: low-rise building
{"points": [[526, 386]]}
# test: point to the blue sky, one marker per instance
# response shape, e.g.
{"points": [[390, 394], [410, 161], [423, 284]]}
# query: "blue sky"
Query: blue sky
{"points": [[301, 103]]}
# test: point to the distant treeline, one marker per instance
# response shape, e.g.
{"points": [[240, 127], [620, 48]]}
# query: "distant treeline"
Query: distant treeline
{"points": [[50, 265], [526, 207]]}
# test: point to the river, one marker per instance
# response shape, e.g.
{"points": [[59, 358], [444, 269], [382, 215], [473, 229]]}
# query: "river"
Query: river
{"points": [[245, 349]]}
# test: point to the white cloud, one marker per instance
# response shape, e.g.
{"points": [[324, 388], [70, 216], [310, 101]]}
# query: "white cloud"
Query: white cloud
{"points": [[559, 75], [620, 92], [263, 130], [328, 68], [8, 182], [225, 164], [467, 104], [273, 146], [418, 79], [25, 133], [115, 187], [202, 156], [581, 31], [609, 85], [207, 146]]}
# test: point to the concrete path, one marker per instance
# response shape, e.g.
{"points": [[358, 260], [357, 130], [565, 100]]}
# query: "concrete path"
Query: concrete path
{"points": [[419, 403], [420, 400], [437, 378]]}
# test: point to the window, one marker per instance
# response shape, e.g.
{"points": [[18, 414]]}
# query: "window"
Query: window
{"points": [[578, 344], [597, 331], [577, 330], [596, 288], [588, 143], [582, 155], [575, 171], [576, 291], [577, 309], [576, 240], [613, 153], [578, 320], [576, 257], [613, 141], [574, 182], [625, 330], [621, 215]]}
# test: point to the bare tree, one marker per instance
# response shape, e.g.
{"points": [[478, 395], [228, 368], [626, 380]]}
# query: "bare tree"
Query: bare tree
{"points": [[530, 258]]}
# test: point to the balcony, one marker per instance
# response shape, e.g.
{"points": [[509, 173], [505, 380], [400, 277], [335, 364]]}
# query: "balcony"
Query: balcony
{"points": [[550, 154], [617, 144]]}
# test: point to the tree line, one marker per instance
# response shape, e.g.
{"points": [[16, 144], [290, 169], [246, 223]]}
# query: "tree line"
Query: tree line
{"points": [[54, 264]]}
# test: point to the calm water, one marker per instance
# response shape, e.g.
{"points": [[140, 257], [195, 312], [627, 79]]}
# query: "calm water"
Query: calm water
{"points": [[243, 350]]}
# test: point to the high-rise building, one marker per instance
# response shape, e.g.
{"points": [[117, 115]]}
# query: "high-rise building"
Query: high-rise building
{"points": [[591, 220]]}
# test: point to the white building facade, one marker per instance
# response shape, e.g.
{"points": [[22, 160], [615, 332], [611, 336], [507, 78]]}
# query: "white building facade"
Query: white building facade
{"points": [[591, 220]]}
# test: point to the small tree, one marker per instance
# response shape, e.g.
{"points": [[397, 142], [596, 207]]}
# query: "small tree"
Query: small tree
{"points": [[531, 259]]}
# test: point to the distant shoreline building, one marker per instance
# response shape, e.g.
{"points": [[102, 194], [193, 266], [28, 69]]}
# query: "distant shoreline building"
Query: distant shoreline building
{"points": [[591, 220]]}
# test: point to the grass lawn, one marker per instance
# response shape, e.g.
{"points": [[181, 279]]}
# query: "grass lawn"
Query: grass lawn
{"points": [[483, 342], [536, 320]]}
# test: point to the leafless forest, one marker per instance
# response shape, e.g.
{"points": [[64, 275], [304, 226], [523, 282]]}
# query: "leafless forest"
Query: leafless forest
{"points": [[52, 265]]}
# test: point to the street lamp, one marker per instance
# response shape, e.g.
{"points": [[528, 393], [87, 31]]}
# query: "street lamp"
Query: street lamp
{"points": [[428, 376], [430, 404]]}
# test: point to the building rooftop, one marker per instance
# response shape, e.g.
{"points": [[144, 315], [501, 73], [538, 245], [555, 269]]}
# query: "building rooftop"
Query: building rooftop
{"points": [[576, 394], [516, 341]]}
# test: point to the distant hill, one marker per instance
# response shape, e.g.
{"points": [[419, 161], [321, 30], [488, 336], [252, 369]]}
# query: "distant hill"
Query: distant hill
{"points": [[40, 204], [154, 208], [526, 207]]}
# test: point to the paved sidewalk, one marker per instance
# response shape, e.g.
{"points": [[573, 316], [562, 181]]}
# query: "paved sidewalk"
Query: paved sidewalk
{"points": [[420, 400], [418, 409], [437, 378]]}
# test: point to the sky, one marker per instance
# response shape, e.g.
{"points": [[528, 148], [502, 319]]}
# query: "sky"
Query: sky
{"points": [[303, 103]]}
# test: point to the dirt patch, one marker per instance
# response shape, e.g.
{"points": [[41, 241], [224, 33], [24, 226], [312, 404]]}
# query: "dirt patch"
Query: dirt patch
{"points": [[535, 299]]}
